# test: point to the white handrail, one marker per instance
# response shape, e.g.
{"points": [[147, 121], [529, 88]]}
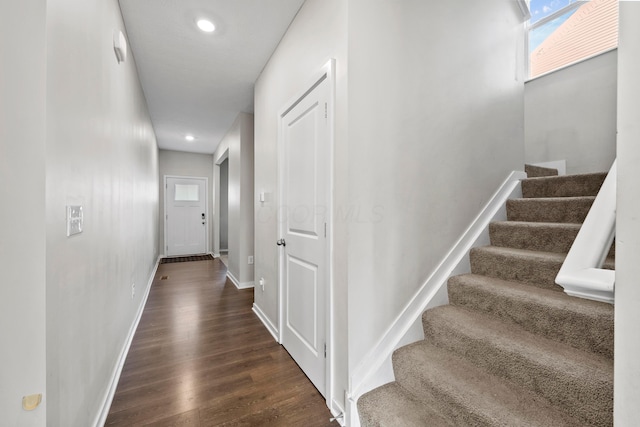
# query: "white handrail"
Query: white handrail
{"points": [[581, 274]]}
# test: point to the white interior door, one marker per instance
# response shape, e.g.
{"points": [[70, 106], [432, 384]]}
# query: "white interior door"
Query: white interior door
{"points": [[185, 216], [305, 204]]}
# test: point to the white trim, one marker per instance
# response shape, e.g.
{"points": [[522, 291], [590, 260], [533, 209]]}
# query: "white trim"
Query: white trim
{"points": [[580, 274], [206, 210], [455, 262], [327, 71], [238, 284], [330, 69], [233, 279], [266, 322], [107, 399], [216, 200], [246, 285], [524, 7]]}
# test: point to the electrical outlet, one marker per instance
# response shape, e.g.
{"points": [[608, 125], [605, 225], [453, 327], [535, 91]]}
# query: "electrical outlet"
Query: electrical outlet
{"points": [[250, 260], [133, 290]]}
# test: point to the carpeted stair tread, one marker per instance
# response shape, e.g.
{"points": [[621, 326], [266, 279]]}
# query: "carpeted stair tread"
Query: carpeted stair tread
{"points": [[581, 323], [579, 383], [533, 171], [391, 406], [520, 265], [539, 236], [467, 395], [511, 348], [550, 209], [563, 186]]}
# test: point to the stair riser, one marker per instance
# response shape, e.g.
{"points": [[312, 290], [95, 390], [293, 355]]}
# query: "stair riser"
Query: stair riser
{"points": [[563, 186], [549, 210], [432, 393], [546, 239], [390, 406], [593, 333], [591, 401], [532, 271], [467, 395], [538, 171]]}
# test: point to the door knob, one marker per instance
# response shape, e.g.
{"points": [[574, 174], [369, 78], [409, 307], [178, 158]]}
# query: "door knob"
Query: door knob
{"points": [[281, 242]]}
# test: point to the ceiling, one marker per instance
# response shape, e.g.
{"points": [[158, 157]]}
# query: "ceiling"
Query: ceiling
{"points": [[196, 83]]}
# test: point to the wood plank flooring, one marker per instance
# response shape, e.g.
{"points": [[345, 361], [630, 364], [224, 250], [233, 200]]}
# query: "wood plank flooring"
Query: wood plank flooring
{"points": [[201, 357]]}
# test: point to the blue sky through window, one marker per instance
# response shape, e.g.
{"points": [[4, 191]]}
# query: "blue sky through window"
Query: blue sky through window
{"points": [[541, 9]]}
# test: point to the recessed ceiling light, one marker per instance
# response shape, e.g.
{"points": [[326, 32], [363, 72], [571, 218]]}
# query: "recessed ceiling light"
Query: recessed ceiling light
{"points": [[206, 26], [190, 138]]}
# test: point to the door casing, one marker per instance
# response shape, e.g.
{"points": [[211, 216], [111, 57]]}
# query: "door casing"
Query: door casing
{"points": [[206, 207]]}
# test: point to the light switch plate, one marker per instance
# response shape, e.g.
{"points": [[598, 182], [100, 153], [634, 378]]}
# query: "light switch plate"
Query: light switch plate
{"points": [[75, 220]]}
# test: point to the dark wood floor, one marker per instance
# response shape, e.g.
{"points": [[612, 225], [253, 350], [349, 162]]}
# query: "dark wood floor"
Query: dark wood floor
{"points": [[200, 357]]}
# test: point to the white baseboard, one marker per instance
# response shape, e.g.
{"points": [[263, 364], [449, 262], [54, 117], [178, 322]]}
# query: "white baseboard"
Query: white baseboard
{"points": [[338, 413], [233, 279], [266, 322], [238, 284], [247, 285], [372, 370], [101, 417]]}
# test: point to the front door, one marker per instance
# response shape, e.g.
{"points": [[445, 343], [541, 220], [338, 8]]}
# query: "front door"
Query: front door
{"points": [[185, 216], [304, 187]]}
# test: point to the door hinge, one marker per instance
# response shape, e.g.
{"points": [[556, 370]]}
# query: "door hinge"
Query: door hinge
{"points": [[325, 229], [325, 110], [325, 350]]}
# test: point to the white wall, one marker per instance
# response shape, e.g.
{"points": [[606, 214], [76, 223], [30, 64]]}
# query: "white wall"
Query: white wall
{"points": [[570, 115], [238, 145], [179, 163], [425, 146], [435, 126], [101, 153], [22, 211], [627, 341], [317, 34]]}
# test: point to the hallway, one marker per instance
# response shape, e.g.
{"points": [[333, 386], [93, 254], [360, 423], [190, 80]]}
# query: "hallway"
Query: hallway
{"points": [[200, 357]]}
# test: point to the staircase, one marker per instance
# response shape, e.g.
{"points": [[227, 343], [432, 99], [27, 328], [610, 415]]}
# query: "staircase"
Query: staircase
{"points": [[511, 348]]}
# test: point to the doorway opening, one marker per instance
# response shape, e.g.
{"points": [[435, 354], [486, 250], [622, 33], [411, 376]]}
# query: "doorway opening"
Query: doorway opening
{"points": [[305, 145], [186, 215], [221, 220]]}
